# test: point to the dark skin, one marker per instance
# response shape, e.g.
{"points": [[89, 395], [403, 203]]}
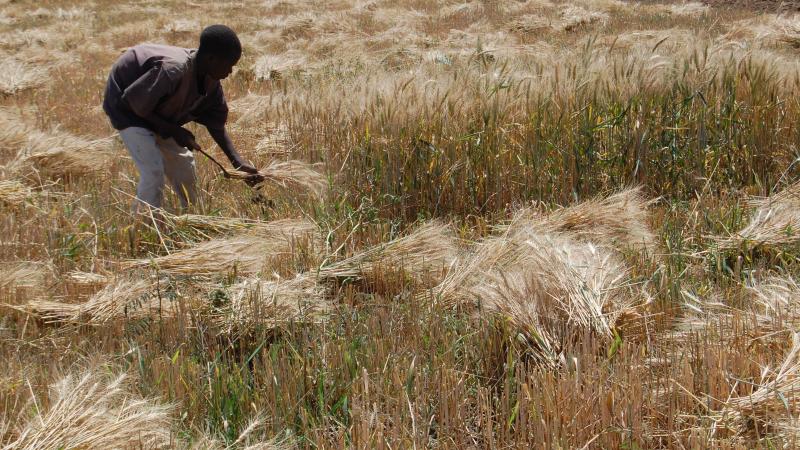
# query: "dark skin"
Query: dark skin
{"points": [[217, 68]]}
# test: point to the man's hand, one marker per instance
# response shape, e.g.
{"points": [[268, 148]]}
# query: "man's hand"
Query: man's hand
{"points": [[244, 167], [254, 178], [184, 138]]}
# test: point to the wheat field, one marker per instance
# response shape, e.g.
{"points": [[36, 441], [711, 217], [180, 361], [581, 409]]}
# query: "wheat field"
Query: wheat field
{"points": [[485, 224]]}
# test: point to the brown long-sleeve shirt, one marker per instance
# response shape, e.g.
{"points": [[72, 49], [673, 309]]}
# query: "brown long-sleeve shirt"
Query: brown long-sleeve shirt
{"points": [[161, 79]]}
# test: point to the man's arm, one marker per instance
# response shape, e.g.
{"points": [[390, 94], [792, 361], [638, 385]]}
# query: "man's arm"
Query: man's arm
{"points": [[221, 137]]}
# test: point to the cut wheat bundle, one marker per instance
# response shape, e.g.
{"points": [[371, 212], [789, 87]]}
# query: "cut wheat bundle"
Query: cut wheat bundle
{"points": [[290, 175], [203, 226], [94, 410], [776, 222], [25, 274], [14, 194], [58, 154], [775, 399], [256, 302], [556, 286], [618, 221], [131, 299], [245, 254], [425, 253], [87, 278], [18, 76]]}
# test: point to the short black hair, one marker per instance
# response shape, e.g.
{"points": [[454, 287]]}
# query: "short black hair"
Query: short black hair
{"points": [[220, 40]]}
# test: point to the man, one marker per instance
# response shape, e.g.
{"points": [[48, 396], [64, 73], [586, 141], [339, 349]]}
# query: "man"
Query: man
{"points": [[153, 90]]}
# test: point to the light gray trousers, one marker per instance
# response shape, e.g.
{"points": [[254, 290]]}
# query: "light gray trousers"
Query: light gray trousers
{"points": [[157, 159]]}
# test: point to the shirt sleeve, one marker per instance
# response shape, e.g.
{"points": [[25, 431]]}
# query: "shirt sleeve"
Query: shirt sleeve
{"points": [[215, 114], [144, 94]]}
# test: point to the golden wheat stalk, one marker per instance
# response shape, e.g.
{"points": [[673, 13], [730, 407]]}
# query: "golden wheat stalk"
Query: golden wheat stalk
{"points": [[775, 398], [555, 287], [57, 154], [131, 299], [203, 226], [25, 274], [18, 76], [94, 410], [246, 254], [14, 194], [425, 253], [289, 175], [261, 303], [619, 221], [247, 440], [776, 221]]}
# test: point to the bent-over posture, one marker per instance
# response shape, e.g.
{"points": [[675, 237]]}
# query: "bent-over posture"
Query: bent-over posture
{"points": [[153, 90]]}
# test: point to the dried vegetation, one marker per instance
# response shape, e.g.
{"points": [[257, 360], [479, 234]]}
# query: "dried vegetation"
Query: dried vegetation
{"points": [[432, 296]]}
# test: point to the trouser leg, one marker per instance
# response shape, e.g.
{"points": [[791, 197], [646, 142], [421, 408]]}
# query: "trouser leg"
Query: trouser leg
{"points": [[146, 154], [179, 168]]}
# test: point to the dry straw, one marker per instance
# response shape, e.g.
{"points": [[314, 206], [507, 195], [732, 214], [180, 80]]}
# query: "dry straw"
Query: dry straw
{"points": [[776, 398], [245, 254], [425, 253], [289, 175], [776, 221], [120, 299], [52, 153], [25, 274], [256, 302], [557, 274], [14, 194], [93, 410], [18, 76], [618, 221], [551, 286], [248, 439], [203, 226]]}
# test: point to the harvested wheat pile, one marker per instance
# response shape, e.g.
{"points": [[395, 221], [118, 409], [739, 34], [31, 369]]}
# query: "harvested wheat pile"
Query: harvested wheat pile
{"points": [[618, 221], [547, 285], [574, 17], [135, 299], [257, 302], [426, 253], [57, 154], [688, 9], [776, 398], [246, 254], [18, 76], [87, 278], [25, 274], [14, 194], [290, 175], [93, 410], [198, 226], [776, 222]]}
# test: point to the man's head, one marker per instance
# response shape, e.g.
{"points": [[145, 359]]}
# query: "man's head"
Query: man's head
{"points": [[219, 51]]}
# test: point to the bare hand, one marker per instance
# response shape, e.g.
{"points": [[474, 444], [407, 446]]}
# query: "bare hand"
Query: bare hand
{"points": [[184, 138], [254, 177], [245, 167]]}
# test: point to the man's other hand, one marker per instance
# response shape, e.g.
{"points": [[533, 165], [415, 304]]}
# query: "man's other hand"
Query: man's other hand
{"points": [[184, 138]]}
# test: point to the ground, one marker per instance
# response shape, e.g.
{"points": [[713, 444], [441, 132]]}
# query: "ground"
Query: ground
{"points": [[486, 224]]}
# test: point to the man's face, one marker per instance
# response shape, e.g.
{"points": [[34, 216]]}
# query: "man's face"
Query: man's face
{"points": [[219, 68]]}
